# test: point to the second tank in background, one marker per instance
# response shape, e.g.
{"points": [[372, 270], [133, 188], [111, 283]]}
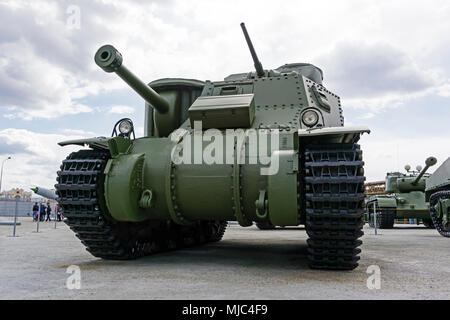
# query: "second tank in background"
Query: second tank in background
{"points": [[404, 198]]}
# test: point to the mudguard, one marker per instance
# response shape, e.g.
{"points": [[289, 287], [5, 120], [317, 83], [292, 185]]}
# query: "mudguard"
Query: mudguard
{"points": [[333, 134], [386, 202], [94, 143]]}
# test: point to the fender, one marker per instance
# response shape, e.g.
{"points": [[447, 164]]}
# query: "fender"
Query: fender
{"points": [[386, 202], [94, 143]]}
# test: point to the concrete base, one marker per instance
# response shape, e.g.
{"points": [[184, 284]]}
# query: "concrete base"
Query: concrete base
{"points": [[247, 264]]}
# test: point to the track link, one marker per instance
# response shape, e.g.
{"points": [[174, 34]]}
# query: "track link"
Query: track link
{"points": [[437, 221], [80, 195], [334, 195]]}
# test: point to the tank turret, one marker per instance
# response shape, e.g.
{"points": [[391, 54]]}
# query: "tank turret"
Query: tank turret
{"points": [[411, 181]]}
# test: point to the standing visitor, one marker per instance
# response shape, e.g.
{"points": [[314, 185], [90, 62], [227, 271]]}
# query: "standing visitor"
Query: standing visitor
{"points": [[58, 212], [49, 211], [41, 212], [35, 211]]}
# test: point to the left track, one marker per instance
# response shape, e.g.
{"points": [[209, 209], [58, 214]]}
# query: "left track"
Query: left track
{"points": [[81, 196]]}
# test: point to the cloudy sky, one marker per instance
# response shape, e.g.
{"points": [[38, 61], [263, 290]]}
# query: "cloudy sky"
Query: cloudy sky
{"points": [[387, 60]]}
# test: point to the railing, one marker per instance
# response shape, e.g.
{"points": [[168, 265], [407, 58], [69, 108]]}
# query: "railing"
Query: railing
{"points": [[25, 207]]}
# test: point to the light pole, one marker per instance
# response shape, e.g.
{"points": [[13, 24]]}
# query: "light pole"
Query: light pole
{"points": [[1, 173]]}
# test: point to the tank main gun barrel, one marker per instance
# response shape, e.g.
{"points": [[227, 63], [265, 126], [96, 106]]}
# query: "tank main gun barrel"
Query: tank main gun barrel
{"points": [[258, 65], [110, 60], [431, 161]]}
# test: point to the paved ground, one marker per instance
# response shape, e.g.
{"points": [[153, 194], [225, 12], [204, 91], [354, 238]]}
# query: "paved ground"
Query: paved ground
{"points": [[246, 264]]}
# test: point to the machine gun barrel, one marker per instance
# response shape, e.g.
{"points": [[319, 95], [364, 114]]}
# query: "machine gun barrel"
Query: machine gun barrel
{"points": [[258, 65], [431, 161], [110, 60]]}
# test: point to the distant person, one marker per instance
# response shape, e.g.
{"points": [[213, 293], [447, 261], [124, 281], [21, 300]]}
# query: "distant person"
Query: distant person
{"points": [[58, 212], [41, 212], [49, 211], [35, 211]]}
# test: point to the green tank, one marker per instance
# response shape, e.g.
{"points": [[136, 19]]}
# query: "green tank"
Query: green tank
{"points": [[404, 198], [437, 192], [267, 146]]}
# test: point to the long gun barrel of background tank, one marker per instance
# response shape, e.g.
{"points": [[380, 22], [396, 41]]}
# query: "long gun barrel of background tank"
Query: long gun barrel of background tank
{"points": [[110, 60], [46, 193], [431, 161], [258, 65]]}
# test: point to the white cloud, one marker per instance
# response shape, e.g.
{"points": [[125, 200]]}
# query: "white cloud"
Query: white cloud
{"points": [[358, 69], [444, 90], [79, 132], [121, 110], [46, 67], [36, 157], [378, 76]]}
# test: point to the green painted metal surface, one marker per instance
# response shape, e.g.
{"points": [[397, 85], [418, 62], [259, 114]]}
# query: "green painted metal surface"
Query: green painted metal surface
{"points": [[274, 101], [254, 147], [442, 208], [438, 193], [124, 187], [440, 179], [405, 193]]}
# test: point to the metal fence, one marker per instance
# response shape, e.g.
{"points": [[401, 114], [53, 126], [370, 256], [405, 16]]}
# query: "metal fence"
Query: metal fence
{"points": [[8, 206]]}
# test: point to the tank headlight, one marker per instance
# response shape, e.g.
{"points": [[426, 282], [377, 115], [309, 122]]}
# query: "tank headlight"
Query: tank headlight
{"points": [[310, 118], [125, 127]]}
